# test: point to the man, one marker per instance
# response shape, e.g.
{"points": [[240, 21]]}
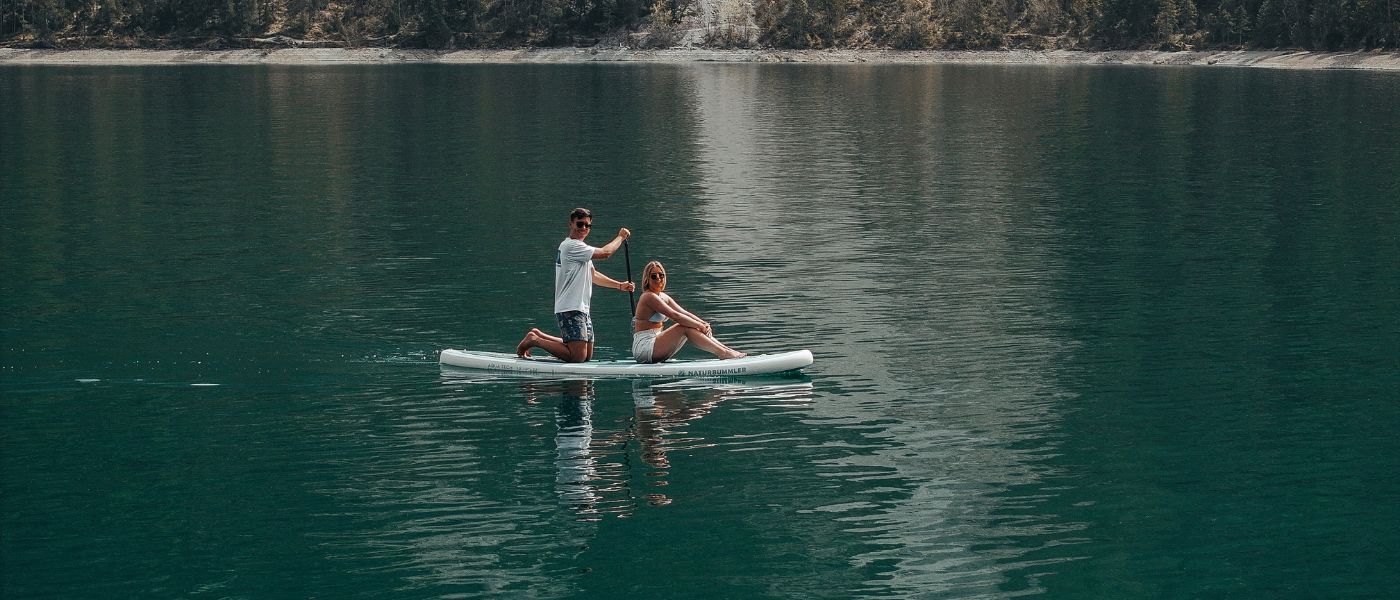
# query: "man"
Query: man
{"points": [[574, 278]]}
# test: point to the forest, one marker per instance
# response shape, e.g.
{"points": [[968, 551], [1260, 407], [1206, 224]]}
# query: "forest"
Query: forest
{"points": [[1329, 25]]}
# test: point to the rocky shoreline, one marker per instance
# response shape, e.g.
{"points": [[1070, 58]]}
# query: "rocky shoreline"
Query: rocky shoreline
{"points": [[1277, 59]]}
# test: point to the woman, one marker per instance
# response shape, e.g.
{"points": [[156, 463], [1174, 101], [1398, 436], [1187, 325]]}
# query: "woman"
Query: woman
{"points": [[652, 344]]}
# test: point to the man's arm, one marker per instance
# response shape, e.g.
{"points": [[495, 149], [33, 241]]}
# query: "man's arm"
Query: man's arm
{"points": [[600, 279], [610, 248]]}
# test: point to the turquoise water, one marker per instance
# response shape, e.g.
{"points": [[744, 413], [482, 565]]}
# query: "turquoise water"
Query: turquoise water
{"points": [[1079, 332]]}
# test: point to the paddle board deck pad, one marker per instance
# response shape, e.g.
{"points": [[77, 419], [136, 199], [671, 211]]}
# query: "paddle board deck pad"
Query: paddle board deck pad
{"points": [[749, 365]]}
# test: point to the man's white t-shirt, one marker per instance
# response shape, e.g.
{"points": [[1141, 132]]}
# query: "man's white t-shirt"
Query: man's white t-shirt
{"points": [[573, 276]]}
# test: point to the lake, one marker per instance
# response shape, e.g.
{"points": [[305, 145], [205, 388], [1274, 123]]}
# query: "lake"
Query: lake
{"points": [[1107, 332]]}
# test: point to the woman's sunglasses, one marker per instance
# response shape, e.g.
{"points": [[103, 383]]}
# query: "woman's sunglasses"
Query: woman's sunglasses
{"points": [[658, 276]]}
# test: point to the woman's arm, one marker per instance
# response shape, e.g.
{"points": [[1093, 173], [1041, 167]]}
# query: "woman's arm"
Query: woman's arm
{"points": [[682, 310], [645, 301], [683, 316]]}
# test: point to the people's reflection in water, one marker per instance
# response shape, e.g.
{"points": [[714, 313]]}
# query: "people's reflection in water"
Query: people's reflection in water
{"points": [[576, 467], [596, 464], [658, 414]]}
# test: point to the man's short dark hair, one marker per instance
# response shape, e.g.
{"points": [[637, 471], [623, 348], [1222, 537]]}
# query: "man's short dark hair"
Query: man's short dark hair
{"points": [[580, 213]]}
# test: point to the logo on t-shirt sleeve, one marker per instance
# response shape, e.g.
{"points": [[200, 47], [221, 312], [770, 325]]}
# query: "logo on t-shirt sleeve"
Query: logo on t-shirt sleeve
{"points": [[558, 258]]}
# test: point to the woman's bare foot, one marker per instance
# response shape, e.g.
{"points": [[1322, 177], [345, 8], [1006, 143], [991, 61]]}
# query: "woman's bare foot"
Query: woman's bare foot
{"points": [[733, 354]]}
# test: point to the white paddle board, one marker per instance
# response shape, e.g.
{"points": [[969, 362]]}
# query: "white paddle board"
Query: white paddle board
{"points": [[749, 365]]}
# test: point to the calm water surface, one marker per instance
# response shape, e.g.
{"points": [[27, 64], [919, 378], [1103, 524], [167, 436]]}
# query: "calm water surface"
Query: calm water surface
{"points": [[1079, 332]]}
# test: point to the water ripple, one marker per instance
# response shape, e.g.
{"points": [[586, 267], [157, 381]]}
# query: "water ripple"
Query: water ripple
{"points": [[1078, 332]]}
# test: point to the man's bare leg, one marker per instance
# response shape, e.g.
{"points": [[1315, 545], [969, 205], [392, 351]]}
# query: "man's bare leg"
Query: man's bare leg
{"points": [[574, 352]]}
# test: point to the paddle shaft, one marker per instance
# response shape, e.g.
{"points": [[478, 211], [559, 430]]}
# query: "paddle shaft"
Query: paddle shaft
{"points": [[631, 296]]}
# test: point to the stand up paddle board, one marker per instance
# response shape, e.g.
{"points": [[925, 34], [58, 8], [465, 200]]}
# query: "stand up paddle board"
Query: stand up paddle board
{"points": [[749, 365]]}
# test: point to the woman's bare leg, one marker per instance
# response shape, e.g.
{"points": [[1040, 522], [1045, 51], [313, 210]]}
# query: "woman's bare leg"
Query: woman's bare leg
{"points": [[708, 343], [670, 341]]}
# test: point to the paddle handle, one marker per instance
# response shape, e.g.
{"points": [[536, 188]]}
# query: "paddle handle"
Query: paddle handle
{"points": [[631, 296]]}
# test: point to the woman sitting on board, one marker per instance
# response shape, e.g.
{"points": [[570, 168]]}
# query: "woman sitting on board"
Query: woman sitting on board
{"points": [[652, 344]]}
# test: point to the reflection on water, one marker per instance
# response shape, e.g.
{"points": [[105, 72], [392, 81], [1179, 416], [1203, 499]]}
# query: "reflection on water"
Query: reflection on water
{"points": [[578, 469], [905, 272], [612, 468]]}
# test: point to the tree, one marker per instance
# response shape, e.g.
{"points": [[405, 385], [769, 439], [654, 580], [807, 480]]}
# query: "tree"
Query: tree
{"points": [[801, 23], [1175, 24]]}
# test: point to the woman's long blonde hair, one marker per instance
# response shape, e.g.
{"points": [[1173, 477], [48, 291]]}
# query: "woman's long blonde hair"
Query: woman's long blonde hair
{"points": [[652, 267]]}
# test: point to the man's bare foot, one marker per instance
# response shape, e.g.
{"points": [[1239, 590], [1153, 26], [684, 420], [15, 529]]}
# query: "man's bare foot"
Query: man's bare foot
{"points": [[523, 348]]}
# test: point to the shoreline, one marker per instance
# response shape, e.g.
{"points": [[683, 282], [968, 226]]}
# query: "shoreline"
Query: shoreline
{"points": [[1274, 59]]}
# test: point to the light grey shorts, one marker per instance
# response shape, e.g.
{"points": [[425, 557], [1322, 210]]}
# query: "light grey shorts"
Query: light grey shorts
{"points": [[642, 344]]}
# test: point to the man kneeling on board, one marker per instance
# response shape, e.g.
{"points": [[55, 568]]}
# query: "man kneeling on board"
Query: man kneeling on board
{"points": [[574, 278]]}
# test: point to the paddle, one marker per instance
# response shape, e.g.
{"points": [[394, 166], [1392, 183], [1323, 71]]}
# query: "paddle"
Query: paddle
{"points": [[631, 296]]}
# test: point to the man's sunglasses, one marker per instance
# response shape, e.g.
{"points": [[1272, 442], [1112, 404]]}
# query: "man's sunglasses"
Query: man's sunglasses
{"points": [[583, 225]]}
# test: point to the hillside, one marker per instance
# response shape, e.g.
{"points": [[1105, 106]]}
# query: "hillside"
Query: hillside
{"points": [[902, 24]]}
